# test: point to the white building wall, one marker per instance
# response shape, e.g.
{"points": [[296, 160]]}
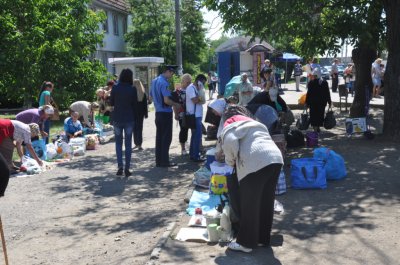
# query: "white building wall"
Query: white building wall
{"points": [[113, 45]]}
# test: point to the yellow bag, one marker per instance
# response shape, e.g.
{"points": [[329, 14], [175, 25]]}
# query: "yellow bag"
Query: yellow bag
{"points": [[218, 184], [302, 99]]}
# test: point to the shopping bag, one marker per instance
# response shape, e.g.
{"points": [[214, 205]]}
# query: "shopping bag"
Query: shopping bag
{"points": [[329, 121], [189, 121], [308, 173], [218, 184], [40, 149], [304, 122], [334, 163], [311, 139], [281, 185], [302, 99]]}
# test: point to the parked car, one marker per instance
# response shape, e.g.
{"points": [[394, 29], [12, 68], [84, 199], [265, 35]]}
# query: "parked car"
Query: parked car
{"points": [[341, 70], [325, 73]]}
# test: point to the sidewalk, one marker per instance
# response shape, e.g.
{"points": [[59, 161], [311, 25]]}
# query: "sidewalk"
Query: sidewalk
{"points": [[291, 97], [353, 221]]}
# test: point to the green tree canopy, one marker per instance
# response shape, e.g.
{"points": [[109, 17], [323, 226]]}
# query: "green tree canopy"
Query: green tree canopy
{"points": [[153, 32], [51, 40], [314, 27]]}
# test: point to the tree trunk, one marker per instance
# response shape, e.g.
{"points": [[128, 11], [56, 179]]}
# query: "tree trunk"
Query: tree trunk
{"points": [[391, 127], [362, 58]]}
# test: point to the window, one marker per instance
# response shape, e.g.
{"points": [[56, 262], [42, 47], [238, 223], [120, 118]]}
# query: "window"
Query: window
{"points": [[105, 24], [124, 25], [115, 24]]}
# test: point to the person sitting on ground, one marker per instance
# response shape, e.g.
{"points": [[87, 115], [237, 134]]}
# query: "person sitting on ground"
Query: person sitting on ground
{"points": [[72, 126], [272, 98], [86, 110], [38, 116], [245, 90], [21, 133]]}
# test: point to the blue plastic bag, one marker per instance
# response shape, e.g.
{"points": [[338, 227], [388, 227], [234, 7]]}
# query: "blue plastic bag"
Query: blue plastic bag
{"points": [[308, 173], [334, 163], [40, 149]]}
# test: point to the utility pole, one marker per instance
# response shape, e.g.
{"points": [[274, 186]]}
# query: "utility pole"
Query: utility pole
{"points": [[178, 38]]}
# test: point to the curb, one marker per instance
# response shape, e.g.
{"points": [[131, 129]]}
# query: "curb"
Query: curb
{"points": [[155, 253]]}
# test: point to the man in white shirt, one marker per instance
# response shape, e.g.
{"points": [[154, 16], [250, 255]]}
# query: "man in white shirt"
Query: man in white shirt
{"points": [[335, 74], [194, 106]]}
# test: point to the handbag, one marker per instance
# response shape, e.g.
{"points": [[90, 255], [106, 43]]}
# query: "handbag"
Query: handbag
{"points": [[304, 122], [189, 120], [329, 121], [334, 163], [308, 173]]}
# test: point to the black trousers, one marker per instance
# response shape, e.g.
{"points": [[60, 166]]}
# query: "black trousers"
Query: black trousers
{"points": [[163, 137], [257, 195], [4, 175], [183, 133], [335, 82], [138, 131]]}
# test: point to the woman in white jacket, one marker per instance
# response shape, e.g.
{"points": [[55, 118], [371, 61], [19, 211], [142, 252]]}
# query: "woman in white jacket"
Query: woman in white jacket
{"points": [[247, 145]]}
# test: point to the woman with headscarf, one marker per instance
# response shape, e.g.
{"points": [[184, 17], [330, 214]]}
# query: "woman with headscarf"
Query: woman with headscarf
{"points": [[38, 116], [21, 133], [247, 146], [318, 96]]}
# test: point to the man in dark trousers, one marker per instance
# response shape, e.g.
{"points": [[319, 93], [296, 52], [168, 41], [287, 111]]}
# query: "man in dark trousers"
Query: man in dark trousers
{"points": [[335, 74], [160, 95]]}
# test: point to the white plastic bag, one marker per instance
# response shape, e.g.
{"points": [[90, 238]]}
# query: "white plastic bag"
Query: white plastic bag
{"points": [[31, 165], [51, 151]]}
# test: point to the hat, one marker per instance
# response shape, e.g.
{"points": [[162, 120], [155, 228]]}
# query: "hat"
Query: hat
{"points": [[34, 129], [49, 110], [170, 67]]}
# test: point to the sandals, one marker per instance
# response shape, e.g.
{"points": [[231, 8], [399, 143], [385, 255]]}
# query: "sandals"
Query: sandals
{"points": [[237, 247]]}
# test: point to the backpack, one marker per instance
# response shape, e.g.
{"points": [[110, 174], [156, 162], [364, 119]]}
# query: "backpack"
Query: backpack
{"points": [[295, 138]]}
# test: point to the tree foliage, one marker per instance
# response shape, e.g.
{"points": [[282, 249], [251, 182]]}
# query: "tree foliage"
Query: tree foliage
{"points": [[153, 32], [49, 40], [315, 27]]}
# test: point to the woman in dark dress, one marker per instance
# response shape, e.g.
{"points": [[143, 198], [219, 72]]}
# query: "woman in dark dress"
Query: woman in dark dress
{"points": [[142, 113], [318, 96]]}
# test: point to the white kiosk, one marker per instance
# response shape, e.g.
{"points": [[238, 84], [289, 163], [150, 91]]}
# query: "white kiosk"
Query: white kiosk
{"points": [[144, 68]]}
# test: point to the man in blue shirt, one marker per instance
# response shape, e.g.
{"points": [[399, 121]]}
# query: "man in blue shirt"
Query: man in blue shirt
{"points": [[160, 95]]}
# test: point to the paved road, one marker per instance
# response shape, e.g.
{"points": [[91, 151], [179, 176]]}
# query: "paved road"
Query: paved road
{"points": [[81, 213]]}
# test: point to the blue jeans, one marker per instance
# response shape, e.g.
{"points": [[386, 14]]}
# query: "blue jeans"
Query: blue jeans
{"points": [[127, 128], [46, 128], [195, 140], [163, 137]]}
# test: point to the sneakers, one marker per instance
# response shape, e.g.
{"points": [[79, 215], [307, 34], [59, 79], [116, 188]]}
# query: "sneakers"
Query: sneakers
{"points": [[120, 171], [237, 247], [127, 173]]}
